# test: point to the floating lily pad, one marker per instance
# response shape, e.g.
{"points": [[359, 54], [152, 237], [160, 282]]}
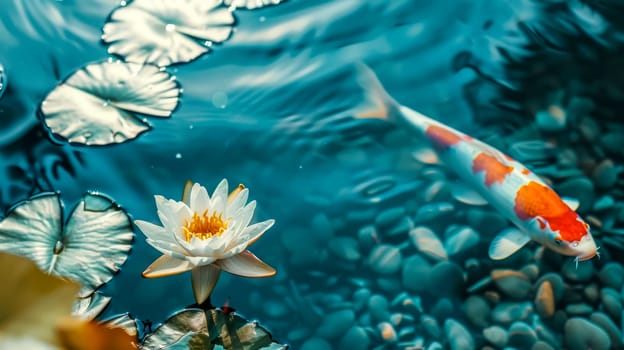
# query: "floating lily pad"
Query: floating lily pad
{"points": [[209, 329], [251, 4], [2, 80], [164, 32], [90, 307], [98, 104], [89, 248], [125, 321]]}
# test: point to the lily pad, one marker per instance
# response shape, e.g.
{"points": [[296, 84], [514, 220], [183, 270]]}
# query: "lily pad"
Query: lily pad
{"points": [[89, 248], [125, 321], [2, 80], [90, 307], [165, 32], [98, 104], [251, 4], [212, 329]]}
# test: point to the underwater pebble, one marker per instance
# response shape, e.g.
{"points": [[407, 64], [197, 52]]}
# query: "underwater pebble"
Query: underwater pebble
{"points": [[275, 309], [460, 240], [477, 311], [428, 243], [459, 338], [581, 334], [611, 302], [431, 326], [583, 273], [322, 227], [390, 285], [506, 313], [356, 338], [488, 221], [400, 229], [316, 344], [345, 248], [612, 275], [578, 309], [336, 323], [433, 346], [299, 334], [521, 335], [385, 259], [580, 188], [532, 271], [414, 268], [368, 236], [361, 298], [389, 217], [607, 324], [433, 211], [592, 293], [531, 150], [605, 174], [514, 284], [541, 345], [605, 202], [545, 300], [613, 142], [443, 309], [556, 282], [552, 118], [496, 335], [387, 332], [545, 333], [445, 278], [379, 308]]}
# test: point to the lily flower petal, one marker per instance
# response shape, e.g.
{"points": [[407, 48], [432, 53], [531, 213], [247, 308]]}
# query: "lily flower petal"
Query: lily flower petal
{"points": [[153, 232], [219, 197], [204, 279], [237, 202], [246, 264], [199, 200], [252, 233], [167, 266], [168, 248]]}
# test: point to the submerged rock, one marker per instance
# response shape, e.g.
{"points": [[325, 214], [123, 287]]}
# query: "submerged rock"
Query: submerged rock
{"points": [[581, 334]]}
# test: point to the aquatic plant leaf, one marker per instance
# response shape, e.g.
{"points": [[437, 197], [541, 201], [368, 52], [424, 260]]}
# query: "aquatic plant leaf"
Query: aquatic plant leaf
{"points": [[97, 105], [2, 81], [91, 247], [78, 334], [192, 341], [125, 321], [31, 301], [90, 307], [165, 32], [223, 330], [251, 4]]}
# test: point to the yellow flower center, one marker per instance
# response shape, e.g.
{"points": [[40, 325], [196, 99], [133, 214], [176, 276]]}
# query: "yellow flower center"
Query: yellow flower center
{"points": [[204, 226]]}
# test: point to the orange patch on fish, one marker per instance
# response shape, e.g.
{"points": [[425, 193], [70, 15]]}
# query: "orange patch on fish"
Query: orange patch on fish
{"points": [[442, 137], [535, 199], [525, 171], [495, 171]]}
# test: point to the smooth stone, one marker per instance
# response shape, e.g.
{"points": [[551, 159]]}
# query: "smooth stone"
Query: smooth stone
{"points": [[428, 243], [541, 345], [400, 229], [406, 333], [356, 338], [521, 335], [336, 324], [437, 189], [556, 282], [603, 203], [387, 332], [613, 142], [559, 320], [583, 273], [445, 278], [592, 293], [275, 309], [443, 309], [385, 259], [605, 175], [603, 321], [496, 335], [345, 248], [316, 344], [322, 227], [459, 338], [506, 313], [434, 346], [612, 275], [551, 119], [580, 188], [379, 308], [415, 268], [532, 271], [531, 150], [391, 285], [461, 239], [398, 319], [389, 217], [611, 302], [368, 237], [433, 211], [545, 300], [477, 310], [579, 309], [581, 334], [361, 298], [513, 284], [545, 333], [299, 334], [489, 222], [431, 326]]}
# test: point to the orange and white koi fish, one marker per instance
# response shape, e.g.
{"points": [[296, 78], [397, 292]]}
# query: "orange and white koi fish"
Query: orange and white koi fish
{"points": [[516, 192]]}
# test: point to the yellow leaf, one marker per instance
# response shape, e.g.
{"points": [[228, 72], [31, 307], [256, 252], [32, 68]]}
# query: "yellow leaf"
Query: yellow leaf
{"points": [[76, 334], [31, 301]]}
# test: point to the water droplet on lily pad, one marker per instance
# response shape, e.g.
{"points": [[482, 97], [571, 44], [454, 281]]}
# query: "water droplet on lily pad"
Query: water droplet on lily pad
{"points": [[95, 239], [251, 4], [164, 32], [91, 107]]}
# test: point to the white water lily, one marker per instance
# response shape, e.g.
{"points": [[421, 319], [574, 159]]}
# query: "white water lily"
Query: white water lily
{"points": [[206, 234]]}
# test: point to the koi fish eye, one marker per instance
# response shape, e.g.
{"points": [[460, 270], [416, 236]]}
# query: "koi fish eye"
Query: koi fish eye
{"points": [[558, 241]]}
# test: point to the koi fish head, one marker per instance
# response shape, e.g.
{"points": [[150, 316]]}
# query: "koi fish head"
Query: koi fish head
{"points": [[553, 222]]}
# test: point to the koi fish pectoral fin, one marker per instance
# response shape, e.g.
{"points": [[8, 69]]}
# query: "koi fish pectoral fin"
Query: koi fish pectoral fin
{"points": [[506, 243]]}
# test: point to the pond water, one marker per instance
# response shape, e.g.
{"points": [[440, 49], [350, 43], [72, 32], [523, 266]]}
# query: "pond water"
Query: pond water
{"points": [[273, 107]]}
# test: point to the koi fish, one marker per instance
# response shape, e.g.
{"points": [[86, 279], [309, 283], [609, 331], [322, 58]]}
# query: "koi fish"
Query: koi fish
{"points": [[515, 191]]}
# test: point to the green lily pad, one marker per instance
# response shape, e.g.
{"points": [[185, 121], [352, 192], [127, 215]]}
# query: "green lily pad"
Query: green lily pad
{"points": [[125, 321], [90, 307], [192, 328], [89, 248]]}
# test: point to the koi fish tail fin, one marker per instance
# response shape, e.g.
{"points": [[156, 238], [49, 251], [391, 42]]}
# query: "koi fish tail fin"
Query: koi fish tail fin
{"points": [[378, 103]]}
